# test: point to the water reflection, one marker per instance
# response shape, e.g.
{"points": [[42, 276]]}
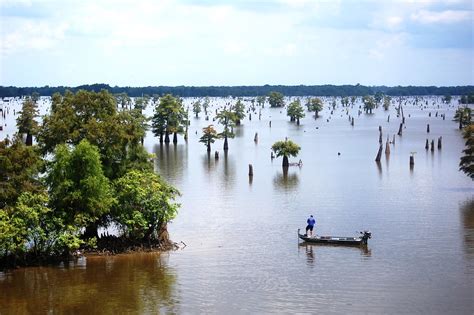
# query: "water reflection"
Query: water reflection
{"points": [[239, 131], [379, 168], [171, 160], [309, 254], [126, 283], [310, 249], [285, 180], [467, 215], [229, 171], [209, 162]]}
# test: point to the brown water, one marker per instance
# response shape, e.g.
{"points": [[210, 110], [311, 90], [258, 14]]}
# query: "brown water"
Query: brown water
{"points": [[242, 253]]}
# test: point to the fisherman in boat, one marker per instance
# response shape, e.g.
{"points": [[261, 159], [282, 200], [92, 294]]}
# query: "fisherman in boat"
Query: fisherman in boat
{"points": [[311, 223]]}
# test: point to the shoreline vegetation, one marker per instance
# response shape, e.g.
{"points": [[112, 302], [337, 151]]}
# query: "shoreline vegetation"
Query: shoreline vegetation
{"points": [[84, 169], [241, 91]]}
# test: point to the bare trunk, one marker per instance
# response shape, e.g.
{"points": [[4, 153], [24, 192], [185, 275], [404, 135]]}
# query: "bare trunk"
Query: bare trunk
{"points": [[226, 144]]}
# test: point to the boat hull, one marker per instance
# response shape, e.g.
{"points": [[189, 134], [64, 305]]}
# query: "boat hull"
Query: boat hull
{"points": [[337, 240], [355, 241]]}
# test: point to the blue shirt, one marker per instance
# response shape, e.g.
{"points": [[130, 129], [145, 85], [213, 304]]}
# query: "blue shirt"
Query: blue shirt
{"points": [[311, 221]]}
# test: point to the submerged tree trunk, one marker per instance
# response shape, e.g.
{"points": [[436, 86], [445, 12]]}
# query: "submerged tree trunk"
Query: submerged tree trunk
{"points": [[175, 138], [167, 137], [208, 145], [285, 161], [161, 137], [298, 121], [226, 145]]}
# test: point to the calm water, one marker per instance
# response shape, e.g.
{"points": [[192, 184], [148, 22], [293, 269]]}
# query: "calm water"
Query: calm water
{"points": [[242, 253]]}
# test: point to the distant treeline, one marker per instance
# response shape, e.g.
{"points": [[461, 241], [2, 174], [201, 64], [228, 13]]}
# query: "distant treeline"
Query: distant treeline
{"points": [[222, 91]]}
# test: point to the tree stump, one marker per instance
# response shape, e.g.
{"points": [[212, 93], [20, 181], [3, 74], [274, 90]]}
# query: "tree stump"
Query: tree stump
{"points": [[427, 144], [439, 143], [400, 129], [432, 145], [250, 170], [379, 154], [428, 128]]}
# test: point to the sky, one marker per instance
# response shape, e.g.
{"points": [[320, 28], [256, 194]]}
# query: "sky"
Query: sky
{"points": [[204, 42]]}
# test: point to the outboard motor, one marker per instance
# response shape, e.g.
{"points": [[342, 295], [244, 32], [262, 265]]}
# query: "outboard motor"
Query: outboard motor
{"points": [[365, 236]]}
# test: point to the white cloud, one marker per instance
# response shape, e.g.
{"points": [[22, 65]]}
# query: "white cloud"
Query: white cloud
{"points": [[443, 17], [32, 35]]}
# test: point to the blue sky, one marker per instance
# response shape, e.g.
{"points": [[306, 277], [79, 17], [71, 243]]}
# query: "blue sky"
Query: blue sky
{"points": [[204, 42]]}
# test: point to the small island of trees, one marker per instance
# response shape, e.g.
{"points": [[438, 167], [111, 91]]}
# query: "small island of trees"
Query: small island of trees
{"points": [[88, 171]]}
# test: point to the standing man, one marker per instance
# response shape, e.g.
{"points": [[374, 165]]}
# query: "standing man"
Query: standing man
{"points": [[311, 223]]}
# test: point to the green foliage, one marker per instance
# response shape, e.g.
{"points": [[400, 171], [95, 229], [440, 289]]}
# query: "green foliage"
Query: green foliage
{"points": [[240, 91], [378, 97], [467, 160], [196, 108], [345, 101], [32, 227], [79, 191], [145, 204], [276, 99], [467, 99], [123, 100], [447, 98], [386, 102], [315, 105], [93, 116], [205, 105], [169, 117], [227, 119], [286, 148], [26, 122], [239, 111], [464, 116], [369, 103], [142, 102], [295, 111], [261, 100], [20, 166]]}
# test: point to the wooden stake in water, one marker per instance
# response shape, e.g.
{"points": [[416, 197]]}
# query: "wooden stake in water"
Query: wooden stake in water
{"points": [[428, 128], [427, 144], [439, 143]]}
